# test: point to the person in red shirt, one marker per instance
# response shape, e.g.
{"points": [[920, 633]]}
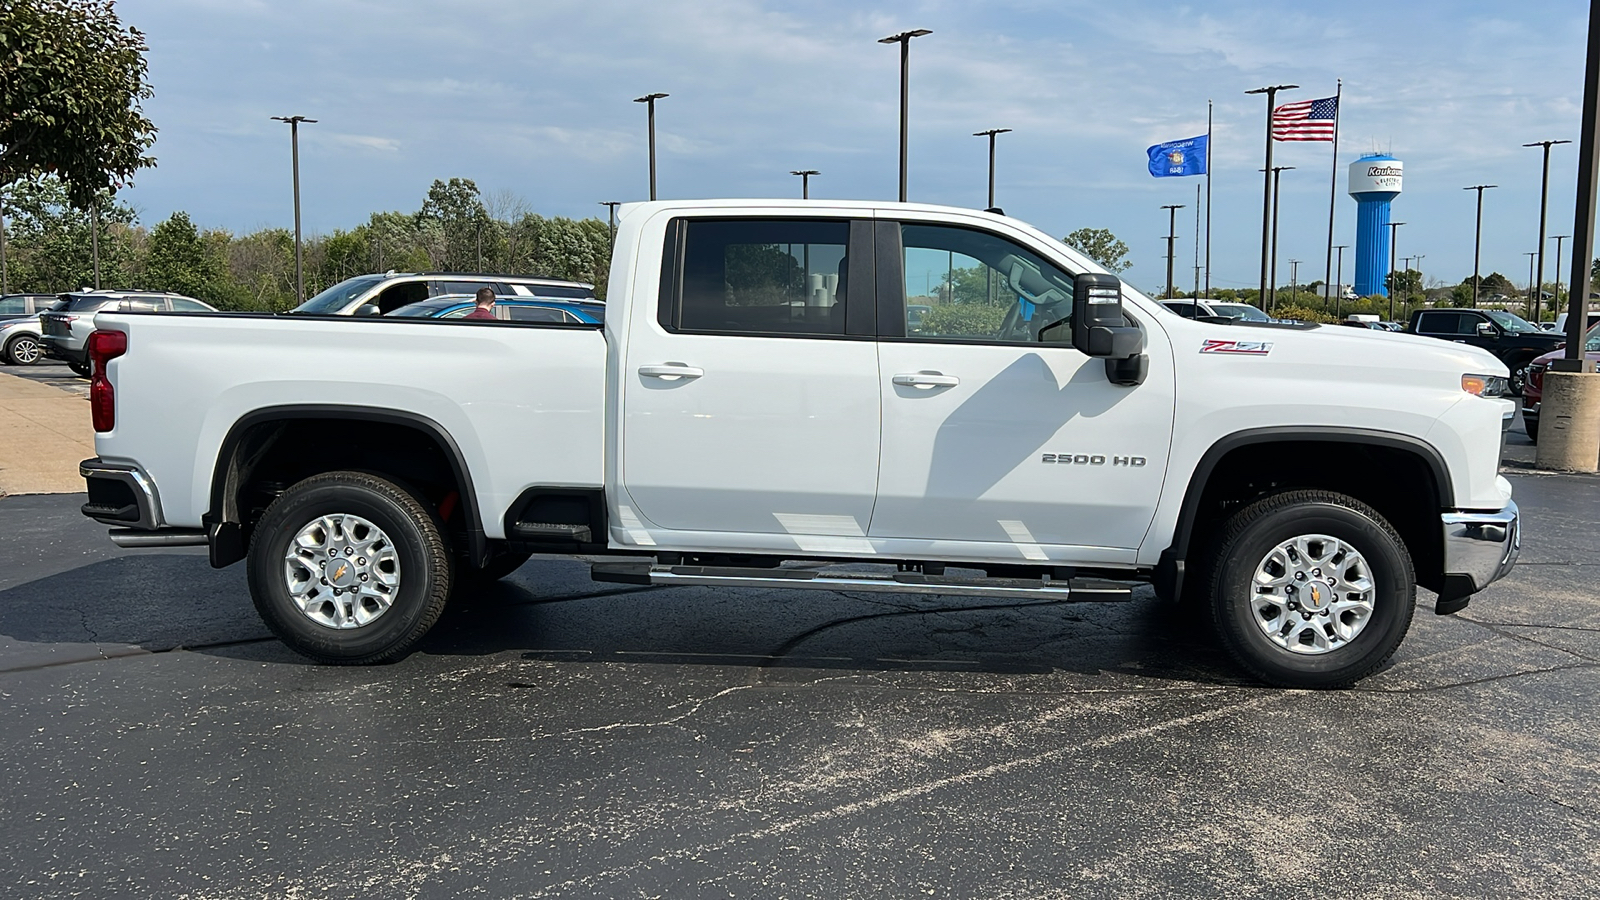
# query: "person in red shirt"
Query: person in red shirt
{"points": [[485, 308]]}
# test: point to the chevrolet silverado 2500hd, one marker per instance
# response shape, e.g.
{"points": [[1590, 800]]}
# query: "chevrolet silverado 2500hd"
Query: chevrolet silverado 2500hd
{"points": [[755, 398]]}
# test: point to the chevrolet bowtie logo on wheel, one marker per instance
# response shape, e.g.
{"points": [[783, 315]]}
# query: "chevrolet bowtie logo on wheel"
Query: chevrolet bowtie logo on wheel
{"points": [[339, 572]]}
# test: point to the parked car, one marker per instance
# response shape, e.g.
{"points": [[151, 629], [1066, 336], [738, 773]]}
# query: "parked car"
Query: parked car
{"points": [[511, 309], [1512, 340], [1533, 386], [376, 295], [1561, 322], [20, 343], [14, 305], [717, 427], [1548, 326], [1190, 308], [67, 325]]}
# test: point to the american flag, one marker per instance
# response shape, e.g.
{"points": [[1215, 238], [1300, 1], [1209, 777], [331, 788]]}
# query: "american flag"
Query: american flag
{"points": [[1308, 120]]}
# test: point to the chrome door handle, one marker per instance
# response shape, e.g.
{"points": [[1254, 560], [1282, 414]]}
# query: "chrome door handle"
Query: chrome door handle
{"points": [[926, 380], [671, 371]]}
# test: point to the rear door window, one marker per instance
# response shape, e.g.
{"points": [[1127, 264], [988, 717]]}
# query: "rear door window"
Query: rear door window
{"points": [[537, 314], [764, 276], [183, 304], [1438, 323]]}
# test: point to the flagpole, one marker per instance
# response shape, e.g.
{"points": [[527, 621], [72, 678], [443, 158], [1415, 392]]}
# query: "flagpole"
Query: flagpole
{"points": [[1333, 183], [1208, 200]]}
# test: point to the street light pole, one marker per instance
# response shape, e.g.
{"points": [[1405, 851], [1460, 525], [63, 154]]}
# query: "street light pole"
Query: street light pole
{"points": [[1294, 281], [294, 153], [1338, 276], [1544, 204], [904, 40], [5, 284], [1477, 240], [1394, 240], [1532, 285], [1268, 190], [650, 101], [1172, 226], [611, 215], [805, 181], [1271, 294], [991, 133], [1555, 301]]}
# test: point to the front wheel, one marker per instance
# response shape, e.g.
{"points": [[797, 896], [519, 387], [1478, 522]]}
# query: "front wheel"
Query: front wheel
{"points": [[23, 350], [1311, 589], [349, 568]]}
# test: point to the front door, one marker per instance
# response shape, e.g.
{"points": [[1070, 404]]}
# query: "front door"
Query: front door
{"points": [[992, 437], [750, 389]]}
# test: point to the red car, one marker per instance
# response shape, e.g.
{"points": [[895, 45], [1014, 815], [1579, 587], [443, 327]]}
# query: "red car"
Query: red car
{"points": [[1533, 385]]}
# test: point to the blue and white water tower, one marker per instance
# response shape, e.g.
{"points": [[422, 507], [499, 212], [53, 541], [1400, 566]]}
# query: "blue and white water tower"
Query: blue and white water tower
{"points": [[1374, 181]]}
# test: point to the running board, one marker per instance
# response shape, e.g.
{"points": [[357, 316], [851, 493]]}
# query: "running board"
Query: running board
{"points": [[1073, 590]]}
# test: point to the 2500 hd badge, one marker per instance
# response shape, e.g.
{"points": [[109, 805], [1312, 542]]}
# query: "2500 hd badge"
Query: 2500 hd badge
{"points": [[1088, 459]]}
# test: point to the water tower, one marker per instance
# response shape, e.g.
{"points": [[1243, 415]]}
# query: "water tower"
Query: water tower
{"points": [[1374, 181]]}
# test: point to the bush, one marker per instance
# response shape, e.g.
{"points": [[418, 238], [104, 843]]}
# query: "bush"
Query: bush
{"points": [[963, 319], [1302, 314]]}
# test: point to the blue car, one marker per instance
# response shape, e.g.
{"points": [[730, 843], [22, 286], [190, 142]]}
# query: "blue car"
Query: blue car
{"points": [[510, 309]]}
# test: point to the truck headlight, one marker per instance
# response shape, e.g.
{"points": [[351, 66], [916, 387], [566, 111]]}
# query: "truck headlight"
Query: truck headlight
{"points": [[1486, 385]]}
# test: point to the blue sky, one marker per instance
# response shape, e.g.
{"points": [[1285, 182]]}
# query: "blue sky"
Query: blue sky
{"points": [[532, 100]]}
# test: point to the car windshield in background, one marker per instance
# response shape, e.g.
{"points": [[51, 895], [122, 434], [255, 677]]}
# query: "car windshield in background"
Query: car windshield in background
{"points": [[1241, 311], [1592, 341], [336, 298], [425, 308], [1512, 323]]}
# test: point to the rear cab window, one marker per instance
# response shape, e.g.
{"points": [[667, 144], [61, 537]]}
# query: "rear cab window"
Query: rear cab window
{"points": [[759, 276]]}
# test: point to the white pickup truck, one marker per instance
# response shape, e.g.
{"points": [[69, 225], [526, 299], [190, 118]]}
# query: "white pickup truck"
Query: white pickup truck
{"points": [[833, 395]]}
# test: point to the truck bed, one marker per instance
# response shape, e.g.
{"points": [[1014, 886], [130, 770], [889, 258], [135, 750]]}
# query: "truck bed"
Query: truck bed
{"points": [[524, 402]]}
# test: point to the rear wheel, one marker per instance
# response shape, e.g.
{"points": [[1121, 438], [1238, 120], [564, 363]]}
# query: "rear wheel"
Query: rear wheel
{"points": [[82, 368], [349, 568], [1311, 589], [23, 350]]}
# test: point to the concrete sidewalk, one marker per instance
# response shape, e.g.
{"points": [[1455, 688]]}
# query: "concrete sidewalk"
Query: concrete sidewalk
{"points": [[44, 432]]}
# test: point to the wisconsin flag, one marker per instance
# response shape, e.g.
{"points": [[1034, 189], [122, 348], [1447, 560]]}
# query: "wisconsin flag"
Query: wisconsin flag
{"points": [[1185, 157]]}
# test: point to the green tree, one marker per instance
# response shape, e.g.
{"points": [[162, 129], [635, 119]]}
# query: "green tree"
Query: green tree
{"points": [[49, 247], [180, 261], [457, 226], [1100, 245], [1404, 284], [71, 81]]}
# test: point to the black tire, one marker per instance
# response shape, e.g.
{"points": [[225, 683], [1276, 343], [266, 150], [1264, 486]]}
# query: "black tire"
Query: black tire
{"points": [[1532, 428], [413, 530], [1244, 544], [23, 350], [82, 368], [1519, 375]]}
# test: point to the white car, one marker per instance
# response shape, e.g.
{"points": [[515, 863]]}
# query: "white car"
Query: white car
{"points": [[757, 395]]}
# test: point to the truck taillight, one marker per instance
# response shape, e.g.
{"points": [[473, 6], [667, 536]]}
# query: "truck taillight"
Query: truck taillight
{"points": [[104, 346]]}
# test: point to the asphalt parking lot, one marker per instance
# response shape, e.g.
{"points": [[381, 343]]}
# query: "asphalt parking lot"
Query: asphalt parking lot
{"points": [[559, 737]]}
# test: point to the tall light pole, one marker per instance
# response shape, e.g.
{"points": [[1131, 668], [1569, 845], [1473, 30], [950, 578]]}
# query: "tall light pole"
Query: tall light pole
{"points": [[1272, 253], [5, 284], [1421, 282], [1394, 241], [1294, 281], [805, 181], [1477, 240], [294, 152], [904, 40], [1532, 285], [990, 134], [611, 215], [1338, 276], [94, 237], [1544, 205], [1172, 226], [650, 101], [1555, 302], [1267, 189]]}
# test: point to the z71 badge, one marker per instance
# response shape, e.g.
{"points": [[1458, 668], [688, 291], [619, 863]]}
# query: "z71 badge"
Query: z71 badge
{"points": [[1247, 348]]}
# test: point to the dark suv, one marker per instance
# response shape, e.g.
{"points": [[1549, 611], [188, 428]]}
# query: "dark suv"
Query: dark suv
{"points": [[1512, 340]]}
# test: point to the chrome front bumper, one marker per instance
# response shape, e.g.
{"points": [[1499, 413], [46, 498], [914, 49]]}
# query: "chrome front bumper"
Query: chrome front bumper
{"points": [[1479, 549]]}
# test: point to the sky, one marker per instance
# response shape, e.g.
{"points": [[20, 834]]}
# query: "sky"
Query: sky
{"points": [[532, 100]]}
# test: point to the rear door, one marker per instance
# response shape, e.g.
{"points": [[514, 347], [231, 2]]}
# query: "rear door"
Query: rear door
{"points": [[749, 387], [992, 438]]}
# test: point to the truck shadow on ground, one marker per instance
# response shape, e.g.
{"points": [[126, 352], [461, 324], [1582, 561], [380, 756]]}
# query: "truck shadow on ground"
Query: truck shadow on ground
{"points": [[550, 610]]}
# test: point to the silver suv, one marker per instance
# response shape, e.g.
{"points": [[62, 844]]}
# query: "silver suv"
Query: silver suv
{"points": [[376, 295], [67, 326]]}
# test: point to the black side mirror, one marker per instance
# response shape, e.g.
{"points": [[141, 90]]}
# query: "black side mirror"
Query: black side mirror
{"points": [[1098, 327]]}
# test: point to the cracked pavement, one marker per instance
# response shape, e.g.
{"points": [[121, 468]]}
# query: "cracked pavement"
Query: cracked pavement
{"points": [[555, 737]]}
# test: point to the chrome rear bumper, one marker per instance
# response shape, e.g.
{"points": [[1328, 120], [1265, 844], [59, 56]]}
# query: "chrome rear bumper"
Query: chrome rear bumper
{"points": [[1479, 549]]}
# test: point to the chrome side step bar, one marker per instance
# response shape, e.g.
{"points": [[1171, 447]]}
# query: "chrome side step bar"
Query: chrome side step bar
{"points": [[1073, 590]]}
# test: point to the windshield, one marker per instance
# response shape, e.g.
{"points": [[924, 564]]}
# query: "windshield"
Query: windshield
{"points": [[333, 300], [1512, 323], [84, 304], [1592, 341], [1241, 311]]}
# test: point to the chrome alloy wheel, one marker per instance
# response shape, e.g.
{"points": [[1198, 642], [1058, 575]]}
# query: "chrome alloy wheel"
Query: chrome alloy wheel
{"points": [[1313, 594], [342, 571], [25, 350]]}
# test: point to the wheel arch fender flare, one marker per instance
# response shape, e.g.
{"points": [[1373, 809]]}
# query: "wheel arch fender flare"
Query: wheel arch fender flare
{"points": [[223, 520]]}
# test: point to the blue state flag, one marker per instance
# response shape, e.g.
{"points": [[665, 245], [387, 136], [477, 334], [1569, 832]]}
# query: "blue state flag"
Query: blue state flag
{"points": [[1185, 157]]}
